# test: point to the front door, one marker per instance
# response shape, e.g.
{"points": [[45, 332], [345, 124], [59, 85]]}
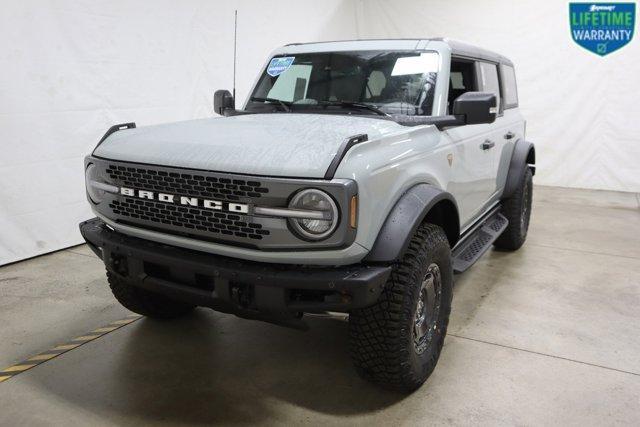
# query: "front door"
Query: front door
{"points": [[473, 182]]}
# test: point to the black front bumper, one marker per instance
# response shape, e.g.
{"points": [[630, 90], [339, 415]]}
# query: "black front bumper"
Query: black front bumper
{"points": [[246, 288]]}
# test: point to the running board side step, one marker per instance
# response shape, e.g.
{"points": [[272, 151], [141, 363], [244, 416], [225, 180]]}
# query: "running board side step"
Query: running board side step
{"points": [[478, 241]]}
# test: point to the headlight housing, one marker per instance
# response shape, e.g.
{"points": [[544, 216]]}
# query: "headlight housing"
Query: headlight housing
{"points": [[314, 200], [96, 185], [90, 177]]}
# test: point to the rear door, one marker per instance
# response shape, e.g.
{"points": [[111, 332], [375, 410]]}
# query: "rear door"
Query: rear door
{"points": [[493, 140], [509, 125], [514, 124], [472, 179]]}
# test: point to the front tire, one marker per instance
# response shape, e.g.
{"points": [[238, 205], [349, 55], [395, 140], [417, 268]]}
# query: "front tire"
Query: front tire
{"points": [[146, 303], [397, 341]]}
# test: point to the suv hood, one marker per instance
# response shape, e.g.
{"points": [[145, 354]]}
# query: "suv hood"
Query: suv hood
{"points": [[286, 144]]}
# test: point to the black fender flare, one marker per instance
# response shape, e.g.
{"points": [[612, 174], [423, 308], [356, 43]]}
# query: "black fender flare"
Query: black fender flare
{"points": [[404, 218], [523, 156]]}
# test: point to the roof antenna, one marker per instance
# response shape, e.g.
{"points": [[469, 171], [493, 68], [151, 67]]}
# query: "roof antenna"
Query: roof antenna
{"points": [[235, 36]]}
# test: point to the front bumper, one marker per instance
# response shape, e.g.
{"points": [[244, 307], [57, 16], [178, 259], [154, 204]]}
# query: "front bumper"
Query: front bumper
{"points": [[249, 289]]}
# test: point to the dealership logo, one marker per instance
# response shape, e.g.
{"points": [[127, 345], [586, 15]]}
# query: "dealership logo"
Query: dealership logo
{"points": [[279, 65], [215, 205], [602, 28]]}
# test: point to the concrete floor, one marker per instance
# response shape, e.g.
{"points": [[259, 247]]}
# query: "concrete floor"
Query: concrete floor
{"points": [[546, 335]]}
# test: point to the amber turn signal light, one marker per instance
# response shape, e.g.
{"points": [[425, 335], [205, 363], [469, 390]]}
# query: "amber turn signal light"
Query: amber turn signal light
{"points": [[353, 212]]}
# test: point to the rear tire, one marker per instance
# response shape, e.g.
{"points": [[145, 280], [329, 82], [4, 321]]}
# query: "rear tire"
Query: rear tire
{"points": [[146, 303], [397, 341], [517, 209]]}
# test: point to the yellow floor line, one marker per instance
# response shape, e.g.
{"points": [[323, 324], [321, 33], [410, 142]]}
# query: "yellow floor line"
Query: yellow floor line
{"points": [[43, 357], [66, 347], [19, 368], [86, 337], [107, 329], [124, 321]]}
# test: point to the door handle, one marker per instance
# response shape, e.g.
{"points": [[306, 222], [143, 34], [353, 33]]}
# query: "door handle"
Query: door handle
{"points": [[487, 145], [509, 135]]}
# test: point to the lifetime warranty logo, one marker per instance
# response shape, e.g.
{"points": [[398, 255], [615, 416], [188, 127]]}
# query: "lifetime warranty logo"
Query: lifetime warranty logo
{"points": [[602, 27]]}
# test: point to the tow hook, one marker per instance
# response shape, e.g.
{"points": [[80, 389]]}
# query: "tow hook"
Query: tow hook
{"points": [[241, 295]]}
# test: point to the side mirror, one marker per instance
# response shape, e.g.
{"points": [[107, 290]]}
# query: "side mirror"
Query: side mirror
{"points": [[223, 102], [476, 107]]}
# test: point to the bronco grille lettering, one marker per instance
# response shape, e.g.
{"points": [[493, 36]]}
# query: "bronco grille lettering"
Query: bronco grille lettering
{"points": [[186, 201]]}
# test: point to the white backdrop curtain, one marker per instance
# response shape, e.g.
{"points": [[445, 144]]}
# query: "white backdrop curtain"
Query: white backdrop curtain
{"points": [[71, 69], [582, 110]]}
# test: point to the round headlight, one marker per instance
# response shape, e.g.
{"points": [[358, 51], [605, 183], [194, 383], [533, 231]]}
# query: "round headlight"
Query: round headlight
{"points": [[91, 175], [319, 201]]}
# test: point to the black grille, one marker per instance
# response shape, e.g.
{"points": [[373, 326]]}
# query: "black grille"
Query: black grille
{"points": [[150, 197], [191, 184], [192, 218]]}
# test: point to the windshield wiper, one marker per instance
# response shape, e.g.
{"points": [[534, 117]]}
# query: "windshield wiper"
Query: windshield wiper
{"points": [[284, 106], [350, 104]]}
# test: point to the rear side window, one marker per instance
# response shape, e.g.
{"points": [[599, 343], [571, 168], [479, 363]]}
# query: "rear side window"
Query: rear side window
{"points": [[509, 89], [489, 80]]}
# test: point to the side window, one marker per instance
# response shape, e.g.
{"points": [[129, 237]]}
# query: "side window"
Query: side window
{"points": [[489, 81], [509, 88], [462, 78]]}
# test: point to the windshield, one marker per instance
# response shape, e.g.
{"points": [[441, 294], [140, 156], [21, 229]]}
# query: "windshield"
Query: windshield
{"points": [[362, 82]]}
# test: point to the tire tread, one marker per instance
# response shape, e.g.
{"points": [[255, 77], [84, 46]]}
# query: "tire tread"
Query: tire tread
{"points": [[511, 238], [379, 333]]}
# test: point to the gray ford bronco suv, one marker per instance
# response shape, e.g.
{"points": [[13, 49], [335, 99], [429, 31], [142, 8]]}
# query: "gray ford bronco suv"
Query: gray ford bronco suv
{"points": [[357, 177]]}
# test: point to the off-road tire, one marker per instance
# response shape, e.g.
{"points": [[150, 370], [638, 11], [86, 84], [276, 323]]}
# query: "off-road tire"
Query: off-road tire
{"points": [[382, 335], [146, 303], [517, 209]]}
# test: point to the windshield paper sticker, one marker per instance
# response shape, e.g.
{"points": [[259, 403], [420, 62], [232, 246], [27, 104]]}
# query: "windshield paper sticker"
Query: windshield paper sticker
{"points": [[602, 27], [278, 66]]}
